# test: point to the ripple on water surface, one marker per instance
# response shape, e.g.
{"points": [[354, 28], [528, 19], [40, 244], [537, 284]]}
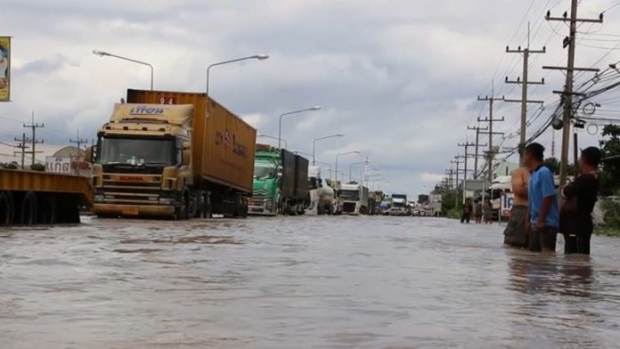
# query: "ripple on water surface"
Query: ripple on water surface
{"points": [[300, 282]]}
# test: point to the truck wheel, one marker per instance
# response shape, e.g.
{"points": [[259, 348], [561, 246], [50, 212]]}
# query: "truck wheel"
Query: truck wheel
{"points": [[207, 210], [278, 202], [29, 209], [244, 208], [47, 209], [6, 208], [182, 212]]}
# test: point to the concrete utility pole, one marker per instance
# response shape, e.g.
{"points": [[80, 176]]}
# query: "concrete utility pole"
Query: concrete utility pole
{"points": [[34, 139], [22, 145], [477, 146], [490, 120], [524, 85], [487, 156], [465, 160], [567, 94], [79, 141]]}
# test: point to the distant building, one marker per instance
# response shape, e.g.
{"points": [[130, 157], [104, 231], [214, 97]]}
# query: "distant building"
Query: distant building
{"points": [[504, 169]]}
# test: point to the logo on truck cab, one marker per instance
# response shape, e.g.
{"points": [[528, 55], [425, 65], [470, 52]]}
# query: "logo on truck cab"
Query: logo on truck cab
{"points": [[145, 110], [131, 179]]}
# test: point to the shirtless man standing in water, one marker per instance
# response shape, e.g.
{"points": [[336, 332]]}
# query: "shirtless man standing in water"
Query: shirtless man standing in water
{"points": [[516, 234]]}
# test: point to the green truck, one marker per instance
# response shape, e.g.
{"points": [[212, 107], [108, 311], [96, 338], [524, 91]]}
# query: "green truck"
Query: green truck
{"points": [[280, 182]]}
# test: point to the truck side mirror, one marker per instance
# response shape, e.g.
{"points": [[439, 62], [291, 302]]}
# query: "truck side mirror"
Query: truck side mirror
{"points": [[185, 157], [186, 154], [88, 155]]}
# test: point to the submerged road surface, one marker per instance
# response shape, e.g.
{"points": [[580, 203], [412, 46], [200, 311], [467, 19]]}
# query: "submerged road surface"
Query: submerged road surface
{"points": [[300, 282]]}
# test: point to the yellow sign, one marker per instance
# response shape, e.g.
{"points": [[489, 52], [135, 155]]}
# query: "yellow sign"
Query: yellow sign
{"points": [[5, 69]]}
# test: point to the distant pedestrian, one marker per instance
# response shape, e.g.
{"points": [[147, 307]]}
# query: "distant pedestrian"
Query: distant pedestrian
{"points": [[467, 210], [542, 201], [487, 211], [478, 211], [580, 197]]}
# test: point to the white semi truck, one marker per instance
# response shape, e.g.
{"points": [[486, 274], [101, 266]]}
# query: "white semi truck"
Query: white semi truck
{"points": [[353, 199]]}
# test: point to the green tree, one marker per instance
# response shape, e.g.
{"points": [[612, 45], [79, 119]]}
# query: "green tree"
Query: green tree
{"points": [[610, 170], [10, 165], [37, 167], [553, 164]]}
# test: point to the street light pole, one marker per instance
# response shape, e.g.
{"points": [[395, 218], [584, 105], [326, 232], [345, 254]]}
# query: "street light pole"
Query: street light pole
{"points": [[351, 168], [260, 57], [343, 154], [103, 53], [271, 137], [329, 167], [289, 113], [318, 139]]}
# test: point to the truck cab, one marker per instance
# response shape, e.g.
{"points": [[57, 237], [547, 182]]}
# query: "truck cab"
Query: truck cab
{"points": [[142, 162], [353, 199]]}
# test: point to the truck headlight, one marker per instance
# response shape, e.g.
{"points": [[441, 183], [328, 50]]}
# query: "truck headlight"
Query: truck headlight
{"points": [[98, 198], [165, 201], [268, 203]]}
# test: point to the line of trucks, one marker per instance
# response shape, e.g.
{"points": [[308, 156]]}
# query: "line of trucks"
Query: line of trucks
{"points": [[179, 155], [183, 155]]}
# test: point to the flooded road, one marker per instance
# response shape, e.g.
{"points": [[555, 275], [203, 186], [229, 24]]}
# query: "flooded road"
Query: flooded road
{"points": [[300, 282]]}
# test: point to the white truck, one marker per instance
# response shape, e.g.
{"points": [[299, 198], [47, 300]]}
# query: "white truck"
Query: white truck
{"points": [[353, 199], [321, 199]]}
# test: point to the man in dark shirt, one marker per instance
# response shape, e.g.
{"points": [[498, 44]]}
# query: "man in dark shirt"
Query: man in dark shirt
{"points": [[542, 201], [580, 197]]}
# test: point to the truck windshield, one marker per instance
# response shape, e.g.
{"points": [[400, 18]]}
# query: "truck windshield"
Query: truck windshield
{"points": [[352, 195], [264, 171], [137, 151]]}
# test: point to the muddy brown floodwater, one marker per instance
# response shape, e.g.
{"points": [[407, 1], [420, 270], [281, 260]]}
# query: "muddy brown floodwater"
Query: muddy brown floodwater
{"points": [[300, 282]]}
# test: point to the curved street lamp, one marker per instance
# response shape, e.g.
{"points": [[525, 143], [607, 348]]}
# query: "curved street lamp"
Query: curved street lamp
{"points": [[289, 113], [261, 135], [260, 57], [319, 139], [354, 164], [343, 154], [103, 54]]}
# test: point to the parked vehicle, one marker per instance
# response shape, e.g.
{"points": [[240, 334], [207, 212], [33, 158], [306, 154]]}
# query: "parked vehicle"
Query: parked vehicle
{"points": [[280, 182], [353, 199], [321, 196], [162, 155], [400, 205]]}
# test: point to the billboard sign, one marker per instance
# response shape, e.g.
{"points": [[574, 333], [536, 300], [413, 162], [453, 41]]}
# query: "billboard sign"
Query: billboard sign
{"points": [[5, 69], [58, 164], [506, 204]]}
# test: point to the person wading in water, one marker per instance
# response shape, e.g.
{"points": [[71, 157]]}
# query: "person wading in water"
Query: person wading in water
{"points": [[467, 208], [580, 197], [516, 232], [542, 201]]}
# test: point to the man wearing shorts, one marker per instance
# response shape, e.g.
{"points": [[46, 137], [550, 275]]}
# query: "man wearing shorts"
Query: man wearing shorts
{"points": [[542, 201], [515, 234]]}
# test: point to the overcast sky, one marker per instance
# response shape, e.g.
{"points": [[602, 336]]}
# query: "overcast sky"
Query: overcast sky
{"points": [[400, 78]]}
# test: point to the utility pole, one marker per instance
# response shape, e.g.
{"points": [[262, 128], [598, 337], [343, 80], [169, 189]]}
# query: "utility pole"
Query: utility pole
{"points": [[567, 94], [22, 145], [478, 145], [524, 85], [490, 120], [465, 160], [34, 139], [79, 141], [488, 156]]}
